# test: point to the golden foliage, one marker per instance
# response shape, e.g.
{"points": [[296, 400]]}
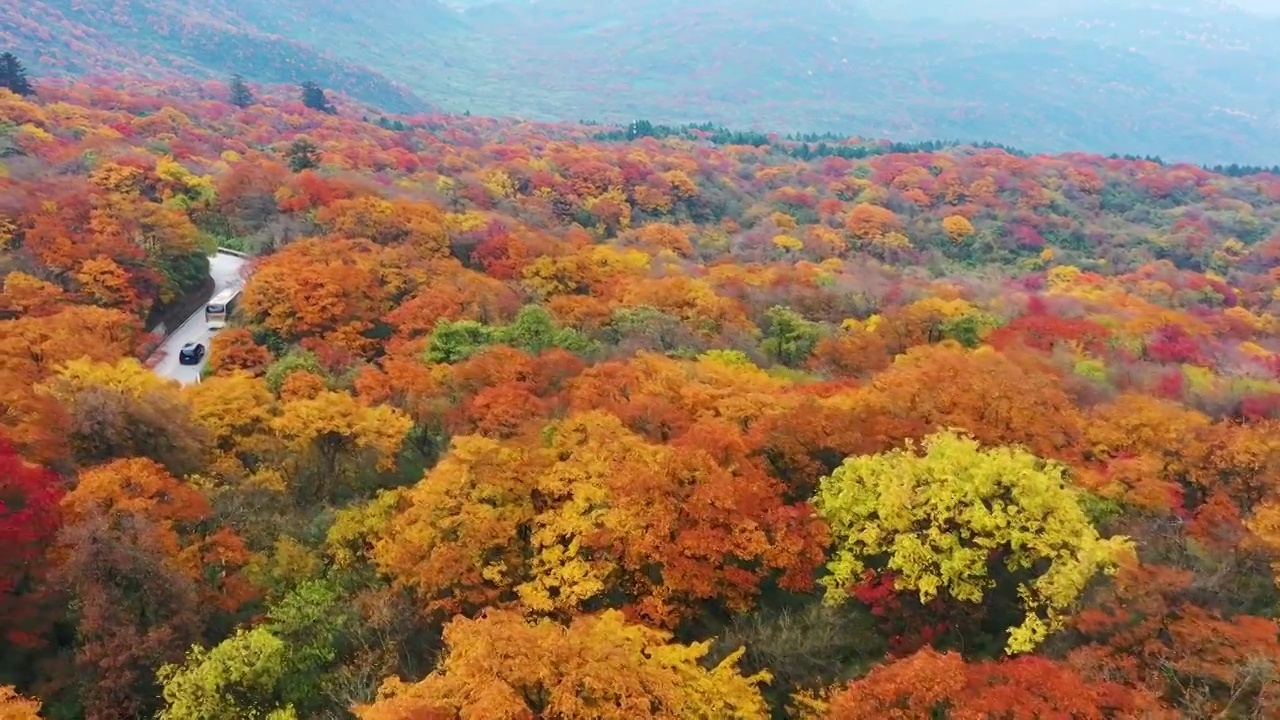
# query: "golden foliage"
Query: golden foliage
{"points": [[503, 667]]}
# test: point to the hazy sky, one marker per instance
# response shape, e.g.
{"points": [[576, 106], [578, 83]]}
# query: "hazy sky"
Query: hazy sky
{"points": [[1270, 7]]}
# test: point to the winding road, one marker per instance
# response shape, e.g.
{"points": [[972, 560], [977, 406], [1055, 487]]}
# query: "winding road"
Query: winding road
{"points": [[225, 270]]}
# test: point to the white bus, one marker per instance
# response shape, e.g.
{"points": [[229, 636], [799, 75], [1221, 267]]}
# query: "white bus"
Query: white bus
{"points": [[220, 308]]}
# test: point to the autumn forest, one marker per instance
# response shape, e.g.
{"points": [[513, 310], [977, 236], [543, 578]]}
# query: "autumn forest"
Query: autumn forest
{"points": [[570, 421]]}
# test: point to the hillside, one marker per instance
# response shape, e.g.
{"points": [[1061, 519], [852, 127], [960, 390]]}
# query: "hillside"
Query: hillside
{"points": [[1188, 81], [175, 38], [1109, 77], [627, 423]]}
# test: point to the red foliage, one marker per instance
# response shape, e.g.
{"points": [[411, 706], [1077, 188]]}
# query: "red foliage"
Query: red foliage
{"points": [[1041, 331], [906, 623], [1027, 237], [1172, 385], [29, 521], [1172, 344], [1260, 407], [932, 684]]}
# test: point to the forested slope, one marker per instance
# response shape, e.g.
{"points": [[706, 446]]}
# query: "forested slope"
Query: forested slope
{"points": [[1192, 80], [174, 39], [542, 420]]}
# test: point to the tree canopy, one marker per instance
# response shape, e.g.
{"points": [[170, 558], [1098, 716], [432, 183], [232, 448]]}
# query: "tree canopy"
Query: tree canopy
{"points": [[519, 419]]}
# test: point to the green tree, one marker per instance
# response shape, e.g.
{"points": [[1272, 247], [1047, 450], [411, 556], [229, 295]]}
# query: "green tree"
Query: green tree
{"points": [[453, 342], [313, 96], [295, 361], [273, 672], [969, 329], [534, 330], [789, 337], [241, 95], [237, 678], [939, 521], [302, 155], [14, 76]]}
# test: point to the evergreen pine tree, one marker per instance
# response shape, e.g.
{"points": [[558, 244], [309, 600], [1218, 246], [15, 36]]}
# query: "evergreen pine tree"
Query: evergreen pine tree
{"points": [[313, 97], [302, 155], [241, 95], [13, 76]]}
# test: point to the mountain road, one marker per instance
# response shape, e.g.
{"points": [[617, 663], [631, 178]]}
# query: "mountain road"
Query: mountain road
{"points": [[225, 270]]}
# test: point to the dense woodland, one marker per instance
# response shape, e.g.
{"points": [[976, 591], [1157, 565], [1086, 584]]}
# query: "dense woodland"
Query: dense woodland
{"points": [[560, 421]]}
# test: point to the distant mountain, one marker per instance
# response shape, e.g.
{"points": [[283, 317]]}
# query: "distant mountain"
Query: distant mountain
{"points": [[1187, 80], [282, 41], [1183, 79]]}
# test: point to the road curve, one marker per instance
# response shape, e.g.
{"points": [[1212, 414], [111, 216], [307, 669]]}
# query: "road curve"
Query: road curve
{"points": [[225, 269]]}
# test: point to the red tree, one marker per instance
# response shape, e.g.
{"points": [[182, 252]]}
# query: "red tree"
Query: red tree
{"points": [[29, 520]]}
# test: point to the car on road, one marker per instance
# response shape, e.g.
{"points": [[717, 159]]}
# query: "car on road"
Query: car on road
{"points": [[191, 354]]}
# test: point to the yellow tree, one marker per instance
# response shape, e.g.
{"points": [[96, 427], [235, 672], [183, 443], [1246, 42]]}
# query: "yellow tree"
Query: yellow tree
{"points": [[1153, 450], [451, 539], [126, 376], [957, 227], [420, 225], [27, 296], [103, 282], [32, 346], [334, 438], [1143, 425], [503, 667], [940, 518], [597, 514], [235, 411], [125, 410], [16, 707]]}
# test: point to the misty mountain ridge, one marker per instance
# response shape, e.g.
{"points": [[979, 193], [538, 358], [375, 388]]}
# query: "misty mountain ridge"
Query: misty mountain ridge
{"points": [[1185, 79]]}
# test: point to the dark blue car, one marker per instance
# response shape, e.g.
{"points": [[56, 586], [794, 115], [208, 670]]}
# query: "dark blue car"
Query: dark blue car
{"points": [[191, 354]]}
